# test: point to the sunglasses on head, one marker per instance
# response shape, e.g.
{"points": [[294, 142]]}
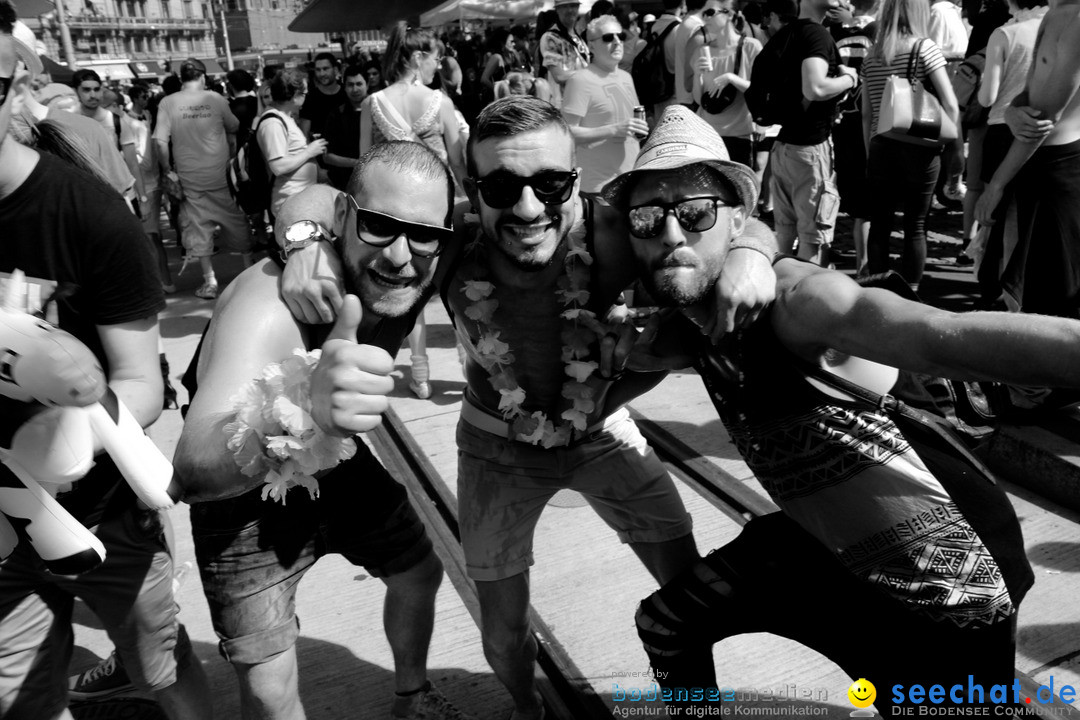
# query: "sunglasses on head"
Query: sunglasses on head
{"points": [[713, 11], [694, 215], [502, 189], [381, 230], [610, 37]]}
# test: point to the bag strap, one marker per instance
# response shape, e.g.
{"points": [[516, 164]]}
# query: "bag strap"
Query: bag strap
{"points": [[913, 60], [892, 405], [739, 54]]}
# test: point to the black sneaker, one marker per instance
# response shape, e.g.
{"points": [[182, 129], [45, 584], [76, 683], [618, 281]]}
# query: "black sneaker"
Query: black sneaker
{"points": [[104, 680]]}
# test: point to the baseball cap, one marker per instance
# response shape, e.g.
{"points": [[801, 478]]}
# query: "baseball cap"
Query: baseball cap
{"points": [[679, 139], [193, 63], [567, 2], [26, 47], [649, 17]]}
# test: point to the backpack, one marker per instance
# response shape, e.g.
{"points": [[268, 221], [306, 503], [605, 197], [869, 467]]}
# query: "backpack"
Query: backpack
{"points": [[853, 50], [652, 81], [250, 180], [765, 96], [965, 83]]}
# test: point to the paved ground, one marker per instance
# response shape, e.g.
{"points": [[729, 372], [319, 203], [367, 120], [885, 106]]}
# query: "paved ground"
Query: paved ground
{"points": [[585, 584]]}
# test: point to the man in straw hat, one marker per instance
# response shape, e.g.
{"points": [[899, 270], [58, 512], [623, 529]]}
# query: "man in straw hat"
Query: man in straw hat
{"points": [[528, 280], [878, 554]]}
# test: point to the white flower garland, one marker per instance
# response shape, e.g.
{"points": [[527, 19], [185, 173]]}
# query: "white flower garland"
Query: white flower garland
{"points": [[580, 329], [274, 435]]}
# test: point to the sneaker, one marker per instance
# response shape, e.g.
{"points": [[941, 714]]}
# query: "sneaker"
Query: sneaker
{"points": [[208, 291], [168, 288], [104, 680], [421, 389], [427, 704], [964, 260], [955, 191]]}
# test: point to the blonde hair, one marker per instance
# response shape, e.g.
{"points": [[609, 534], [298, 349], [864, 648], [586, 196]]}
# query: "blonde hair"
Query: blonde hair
{"points": [[899, 20]]}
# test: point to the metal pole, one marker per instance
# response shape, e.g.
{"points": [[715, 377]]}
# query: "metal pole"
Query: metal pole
{"points": [[65, 35], [225, 35]]}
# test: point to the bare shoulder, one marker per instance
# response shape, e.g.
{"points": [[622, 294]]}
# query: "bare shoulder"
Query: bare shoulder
{"points": [[250, 320], [808, 297]]}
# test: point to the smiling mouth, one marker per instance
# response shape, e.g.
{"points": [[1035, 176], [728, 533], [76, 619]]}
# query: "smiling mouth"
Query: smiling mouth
{"points": [[390, 281], [527, 232]]}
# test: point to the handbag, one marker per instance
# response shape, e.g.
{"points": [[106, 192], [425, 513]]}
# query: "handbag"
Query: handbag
{"points": [[909, 111], [718, 103]]}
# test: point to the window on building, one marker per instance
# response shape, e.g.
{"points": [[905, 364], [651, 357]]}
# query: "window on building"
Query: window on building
{"points": [[165, 12], [188, 12]]}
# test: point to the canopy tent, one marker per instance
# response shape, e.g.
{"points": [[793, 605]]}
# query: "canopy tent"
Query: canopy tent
{"points": [[344, 15], [454, 10]]}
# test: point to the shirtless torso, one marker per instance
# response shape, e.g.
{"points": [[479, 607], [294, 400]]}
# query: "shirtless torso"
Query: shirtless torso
{"points": [[1055, 72]]}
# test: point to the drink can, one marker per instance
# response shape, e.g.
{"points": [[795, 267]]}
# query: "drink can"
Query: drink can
{"points": [[708, 54], [639, 114]]}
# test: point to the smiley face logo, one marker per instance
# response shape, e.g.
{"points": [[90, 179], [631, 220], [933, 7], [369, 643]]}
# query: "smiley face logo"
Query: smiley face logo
{"points": [[862, 693]]}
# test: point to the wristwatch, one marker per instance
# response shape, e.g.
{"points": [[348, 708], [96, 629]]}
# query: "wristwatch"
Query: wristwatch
{"points": [[301, 234]]}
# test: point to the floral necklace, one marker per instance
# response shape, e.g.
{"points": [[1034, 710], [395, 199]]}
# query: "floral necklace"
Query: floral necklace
{"points": [[580, 328]]}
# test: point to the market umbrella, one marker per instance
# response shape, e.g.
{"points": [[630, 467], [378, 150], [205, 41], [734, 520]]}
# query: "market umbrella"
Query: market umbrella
{"points": [[452, 10], [33, 8], [345, 15]]}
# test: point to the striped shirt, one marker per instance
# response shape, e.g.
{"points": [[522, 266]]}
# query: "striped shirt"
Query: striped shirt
{"points": [[875, 72]]}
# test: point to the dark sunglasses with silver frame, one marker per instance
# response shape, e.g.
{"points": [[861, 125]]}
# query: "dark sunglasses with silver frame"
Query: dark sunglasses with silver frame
{"points": [[693, 214], [381, 230]]}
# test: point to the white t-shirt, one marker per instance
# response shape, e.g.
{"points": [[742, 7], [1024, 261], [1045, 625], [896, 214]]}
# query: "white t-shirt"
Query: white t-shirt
{"points": [[108, 121], [601, 100], [198, 123], [948, 30], [735, 120], [144, 151], [276, 142]]}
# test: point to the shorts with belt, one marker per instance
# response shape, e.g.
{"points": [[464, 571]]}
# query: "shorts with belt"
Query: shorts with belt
{"points": [[503, 486]]}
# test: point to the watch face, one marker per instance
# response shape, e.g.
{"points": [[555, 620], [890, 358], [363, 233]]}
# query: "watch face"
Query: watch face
{"points": [[303, 230]]}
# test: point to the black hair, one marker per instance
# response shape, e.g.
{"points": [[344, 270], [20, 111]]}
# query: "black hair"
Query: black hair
{"points": [[334, 60], [81, 76], [511, 116], [352, 71], [8, 16], [240, 80]]}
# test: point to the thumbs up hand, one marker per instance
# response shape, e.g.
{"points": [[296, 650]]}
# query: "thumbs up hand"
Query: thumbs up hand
{"points": [[351, 381]]}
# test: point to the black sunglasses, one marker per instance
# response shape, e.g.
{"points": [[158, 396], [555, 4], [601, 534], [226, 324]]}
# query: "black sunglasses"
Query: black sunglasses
{"points": [[713, 11], [610, 37], [5, 88], [502, 189], [382, 230], [695, 215]]}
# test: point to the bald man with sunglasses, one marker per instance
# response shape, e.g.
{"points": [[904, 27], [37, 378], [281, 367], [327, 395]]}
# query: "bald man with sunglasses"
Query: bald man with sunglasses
{"points": [[528, 282], [252, 552]]}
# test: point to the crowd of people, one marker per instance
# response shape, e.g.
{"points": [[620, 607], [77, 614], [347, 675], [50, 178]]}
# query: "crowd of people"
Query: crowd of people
{"points": [[530, 188]]}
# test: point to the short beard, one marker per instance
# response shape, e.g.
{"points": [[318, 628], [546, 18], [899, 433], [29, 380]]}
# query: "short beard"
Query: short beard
{"points": [[358, 284], [671, 293], [530, 262]]}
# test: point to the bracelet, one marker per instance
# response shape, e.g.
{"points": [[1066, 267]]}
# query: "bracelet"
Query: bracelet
{"points": [[273, 434], [747, 242]]}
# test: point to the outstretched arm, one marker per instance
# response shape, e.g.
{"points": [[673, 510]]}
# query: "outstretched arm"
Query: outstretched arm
{"points": [[819, 309], [311, 284]]}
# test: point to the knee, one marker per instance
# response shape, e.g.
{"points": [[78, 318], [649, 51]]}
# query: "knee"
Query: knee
{"points": [[507, 638]]}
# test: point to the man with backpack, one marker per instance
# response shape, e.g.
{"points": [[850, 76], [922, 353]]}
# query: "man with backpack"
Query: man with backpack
{"points": [[199, 123], [654, 67], [798, 81]]}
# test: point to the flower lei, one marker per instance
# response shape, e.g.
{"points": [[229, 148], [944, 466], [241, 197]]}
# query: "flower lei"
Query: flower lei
{"points": [[580, 328], [273, 434]]}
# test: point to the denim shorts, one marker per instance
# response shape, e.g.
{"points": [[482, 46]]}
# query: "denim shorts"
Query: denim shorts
{"points": [[503, 486], [130, 592], [252, 552]]}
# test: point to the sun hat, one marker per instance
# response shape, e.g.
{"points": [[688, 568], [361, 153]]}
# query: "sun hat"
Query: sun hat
{"points": [[52, 91], [679, 139], [26, 47]]}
